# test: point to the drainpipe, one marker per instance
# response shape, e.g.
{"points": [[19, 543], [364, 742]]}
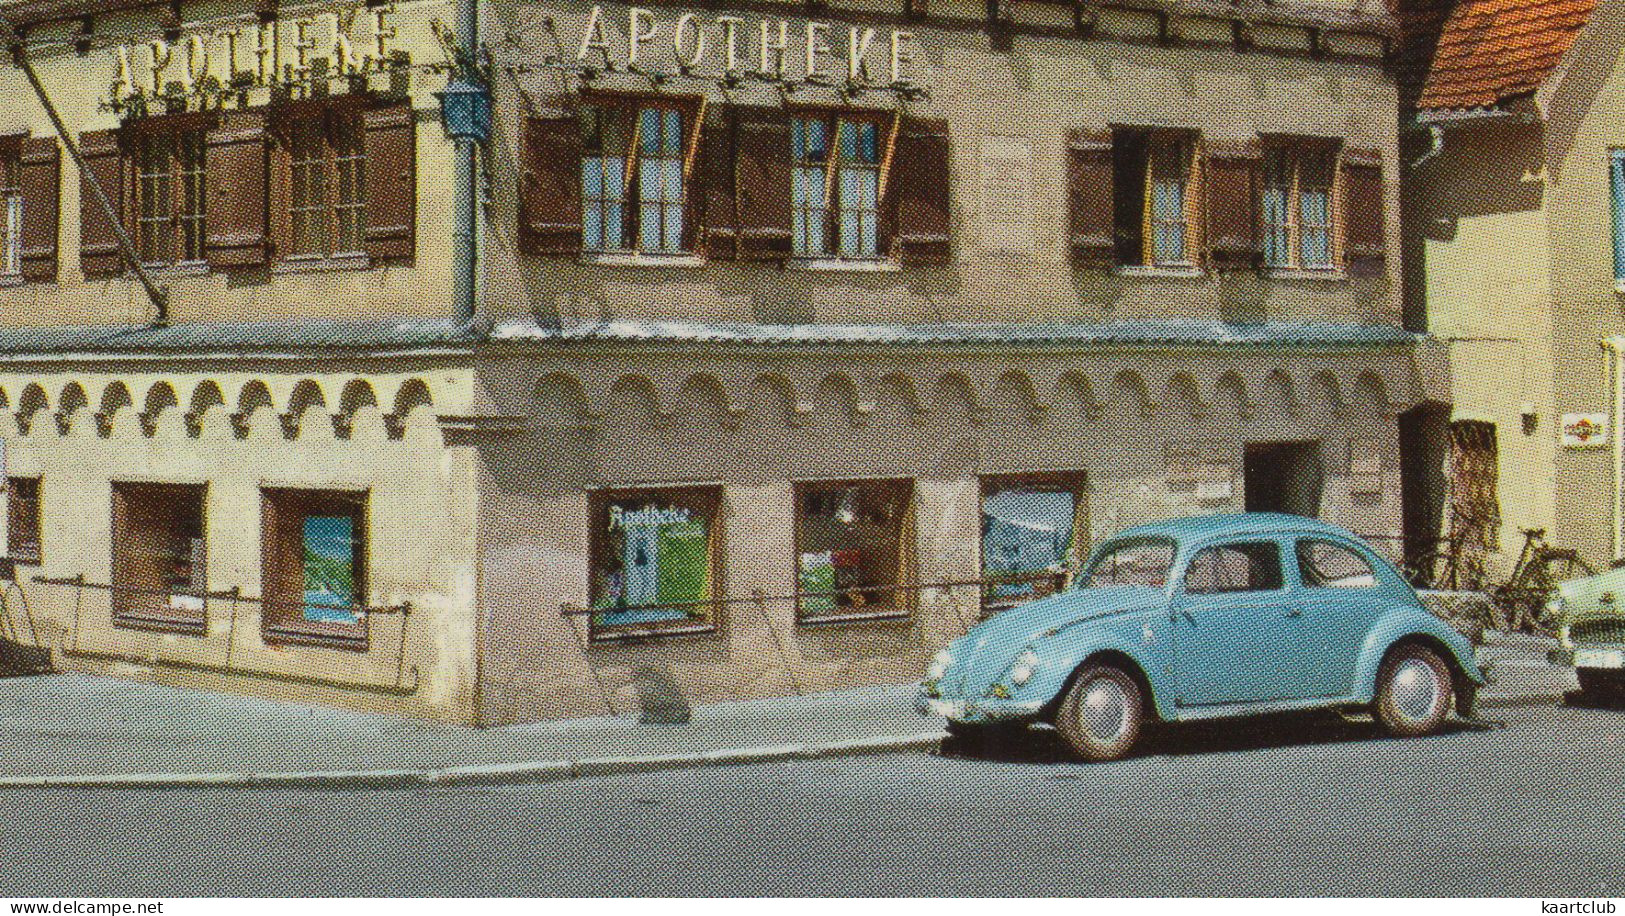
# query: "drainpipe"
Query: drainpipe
{"points": [[465, 113], [1616, 381], [1437, 133]]}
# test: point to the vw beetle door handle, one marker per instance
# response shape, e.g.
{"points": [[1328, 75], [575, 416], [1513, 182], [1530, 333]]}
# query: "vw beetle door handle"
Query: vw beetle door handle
{"points": [[1294, 612]]}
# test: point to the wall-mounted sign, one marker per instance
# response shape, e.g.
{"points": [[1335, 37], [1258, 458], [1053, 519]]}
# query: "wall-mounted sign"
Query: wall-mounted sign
{"points": [[247, 55], [726, 44], [1585, 430]]}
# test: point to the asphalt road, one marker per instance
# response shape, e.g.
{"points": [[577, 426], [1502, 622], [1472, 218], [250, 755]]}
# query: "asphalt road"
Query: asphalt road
{"points": [[1300, 806]]}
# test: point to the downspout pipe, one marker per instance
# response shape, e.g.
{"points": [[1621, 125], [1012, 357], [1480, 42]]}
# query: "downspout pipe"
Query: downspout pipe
{"points": [[466, 177], [1616, 382]]}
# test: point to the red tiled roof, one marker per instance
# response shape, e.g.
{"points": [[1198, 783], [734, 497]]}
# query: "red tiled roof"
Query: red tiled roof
{"points": [[1492, 50]]}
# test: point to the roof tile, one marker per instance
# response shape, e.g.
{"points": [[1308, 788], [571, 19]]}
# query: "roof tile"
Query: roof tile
{"points": [[1491, 50]]}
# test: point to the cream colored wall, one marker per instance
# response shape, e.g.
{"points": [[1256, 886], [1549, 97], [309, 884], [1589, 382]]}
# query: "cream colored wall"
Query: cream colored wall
{"points": [[421, 516], [755, 421], [1057, 84], [79, 84]]}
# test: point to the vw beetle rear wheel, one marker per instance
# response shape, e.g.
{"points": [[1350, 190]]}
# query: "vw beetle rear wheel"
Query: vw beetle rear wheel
{"points": [[1102, 713], [1414, 692]]}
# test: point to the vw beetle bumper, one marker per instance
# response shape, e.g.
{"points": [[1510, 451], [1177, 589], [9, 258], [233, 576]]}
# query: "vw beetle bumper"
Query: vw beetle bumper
{"points": [[967, 712]]}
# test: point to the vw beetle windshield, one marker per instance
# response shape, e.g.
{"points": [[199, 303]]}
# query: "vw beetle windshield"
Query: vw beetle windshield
{"points": [[1141, 562]]}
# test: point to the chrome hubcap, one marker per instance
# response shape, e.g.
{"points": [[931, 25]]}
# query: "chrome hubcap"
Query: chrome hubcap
{"points": [[1105, 710], [1415, 689]]}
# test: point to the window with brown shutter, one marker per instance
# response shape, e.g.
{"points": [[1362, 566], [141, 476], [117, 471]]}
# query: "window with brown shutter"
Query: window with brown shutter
{"points": [[1364, 214], [637, 164], [1090, 183], [1156, 184], [238, 192], [23, 520], [764, 168], [1298, 204], [1232, 204], [99, 253], [39, 189], [314, 566], [550, 212], [719, 221], [320, 182], [160, 560], [391, 182], [840, 161], [169, 202], [920, 171]]}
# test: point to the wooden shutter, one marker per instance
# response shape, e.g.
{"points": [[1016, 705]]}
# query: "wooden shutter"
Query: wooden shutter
{"points": [[920, 182], [234, 218], [1090, 192], [1364, 218], [720, 221], [40, 184], [550, 183], [391, 184], [1233, 204], [99, 255], [763, 168]]}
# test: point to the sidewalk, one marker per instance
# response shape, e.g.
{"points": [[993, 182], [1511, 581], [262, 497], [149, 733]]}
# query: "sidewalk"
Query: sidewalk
{"points": [[74, 729]]}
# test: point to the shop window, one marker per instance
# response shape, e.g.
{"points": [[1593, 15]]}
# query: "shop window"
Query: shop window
{"points": [[655, 555], [23, 519], [1156, 176], [169, 204], [836, 187], [160, 558], [852, 557], [1034, 536], [327, 160], [1254, 567], [634, 177], [1298, 206], [1322, 564], [314, 565]]}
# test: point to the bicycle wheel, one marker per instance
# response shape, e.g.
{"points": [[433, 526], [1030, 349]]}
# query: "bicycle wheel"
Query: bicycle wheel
{"points": [[1553, 566], [1430, 570]]}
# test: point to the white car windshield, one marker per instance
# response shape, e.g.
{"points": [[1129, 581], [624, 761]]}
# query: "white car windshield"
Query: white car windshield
{"points": [[1142, 562]]}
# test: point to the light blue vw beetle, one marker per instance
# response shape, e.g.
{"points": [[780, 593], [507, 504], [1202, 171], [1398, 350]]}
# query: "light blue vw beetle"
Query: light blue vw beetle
{"points": [[1208, 617]]}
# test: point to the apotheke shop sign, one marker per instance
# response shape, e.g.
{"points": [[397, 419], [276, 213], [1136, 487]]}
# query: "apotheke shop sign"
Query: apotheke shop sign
{"points": [[734, 45], [261, 54]]}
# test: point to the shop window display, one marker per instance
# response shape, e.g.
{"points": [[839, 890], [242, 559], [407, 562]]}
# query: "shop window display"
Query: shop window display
{"points": [[160, 555], [654, 561], [851, 549], [1034, 535]]}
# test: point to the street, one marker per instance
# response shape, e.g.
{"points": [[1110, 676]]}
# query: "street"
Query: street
{"points": [[1288, 807]]}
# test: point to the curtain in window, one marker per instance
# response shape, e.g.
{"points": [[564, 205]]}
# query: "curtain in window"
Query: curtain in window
{"points": [[660, 180], [1314, 215], [810, 227], [1168, 204], [1617, 173]]}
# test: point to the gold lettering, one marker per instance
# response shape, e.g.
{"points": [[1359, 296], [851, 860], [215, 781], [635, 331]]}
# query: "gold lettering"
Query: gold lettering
{"points": [[773, 52], [124, 84], [730, 41], [265, 52], [303, 44], [817, 46], [159, 49], [900, 55], [230, 36], [640, 29], [690, 51], [857, 50], [197, 62], [593, 38], [382, 33]]}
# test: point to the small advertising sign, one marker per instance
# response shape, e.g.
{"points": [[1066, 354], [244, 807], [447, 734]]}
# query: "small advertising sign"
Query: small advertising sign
{"points": [[1585, 430]]}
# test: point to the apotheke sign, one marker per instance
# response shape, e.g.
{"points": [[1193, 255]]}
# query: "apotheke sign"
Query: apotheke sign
{"points": [[730, 45], [276, 52]]}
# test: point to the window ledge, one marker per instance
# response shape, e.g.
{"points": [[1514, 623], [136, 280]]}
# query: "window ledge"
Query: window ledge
{"points": [[852, 265], [1326, 275], [638, 259], [303, 265], [828, 620], [294, 636], [640, 634], [184, 626], [1160, 273], [166, 271]]}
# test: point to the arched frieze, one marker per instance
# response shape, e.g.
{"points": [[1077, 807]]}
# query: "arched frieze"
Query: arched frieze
{"points": [[1181, 397], [954, 400], [71, 405], [560, 402], [1014, 399], [413, 406], [1130, 396], [836, 403], [772, 402], [30, 403], [1075, 396], [1231, 395], [896, 401]]}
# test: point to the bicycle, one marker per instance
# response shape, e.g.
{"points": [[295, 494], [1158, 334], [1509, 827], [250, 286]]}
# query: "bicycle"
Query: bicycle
{"points": [[1517, 604]]}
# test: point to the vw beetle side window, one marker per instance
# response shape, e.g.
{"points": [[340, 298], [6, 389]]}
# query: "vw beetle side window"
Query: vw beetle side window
{"points": [[1132, 563], [1228, 568], [1322, 564]]}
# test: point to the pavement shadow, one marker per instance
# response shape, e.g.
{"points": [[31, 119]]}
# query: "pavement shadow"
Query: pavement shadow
{"points": [[1043, 745]]}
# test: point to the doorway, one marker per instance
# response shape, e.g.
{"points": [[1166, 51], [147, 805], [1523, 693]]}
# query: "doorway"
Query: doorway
{"points": [[1284, 477]]}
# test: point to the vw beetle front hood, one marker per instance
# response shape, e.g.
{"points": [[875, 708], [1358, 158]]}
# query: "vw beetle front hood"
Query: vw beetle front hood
{"points": [[982, 655]]}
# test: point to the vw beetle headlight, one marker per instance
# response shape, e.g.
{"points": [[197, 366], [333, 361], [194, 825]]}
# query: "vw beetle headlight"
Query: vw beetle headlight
{"points": [[1022, 671], [939, 666]]}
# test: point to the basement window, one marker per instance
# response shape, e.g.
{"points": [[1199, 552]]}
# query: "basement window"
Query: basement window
{"points": [[160, 556]]}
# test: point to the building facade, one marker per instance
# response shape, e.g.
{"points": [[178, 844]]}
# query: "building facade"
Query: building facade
{"points": [[806, 335], [1513, 202]]}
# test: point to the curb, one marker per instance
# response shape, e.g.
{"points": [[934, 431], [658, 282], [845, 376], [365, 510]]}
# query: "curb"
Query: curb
{"points": [[501, 774]]}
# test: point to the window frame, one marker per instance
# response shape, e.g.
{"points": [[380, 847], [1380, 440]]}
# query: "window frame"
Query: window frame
{"points": [[123, 597], [1294, 154], [1074, 482], [1306, 543], [171, 129], [709, 496], [323, 119], [283, 620], [1616, 174], [1186, 145], [886, 126], [1272, 545], [902, 604], [34, 514], [12, 212], [691, 118]]}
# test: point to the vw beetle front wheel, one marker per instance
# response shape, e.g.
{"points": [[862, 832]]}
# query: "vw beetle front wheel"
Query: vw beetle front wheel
{"points": [[1414, 692], [1100, 717]]}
